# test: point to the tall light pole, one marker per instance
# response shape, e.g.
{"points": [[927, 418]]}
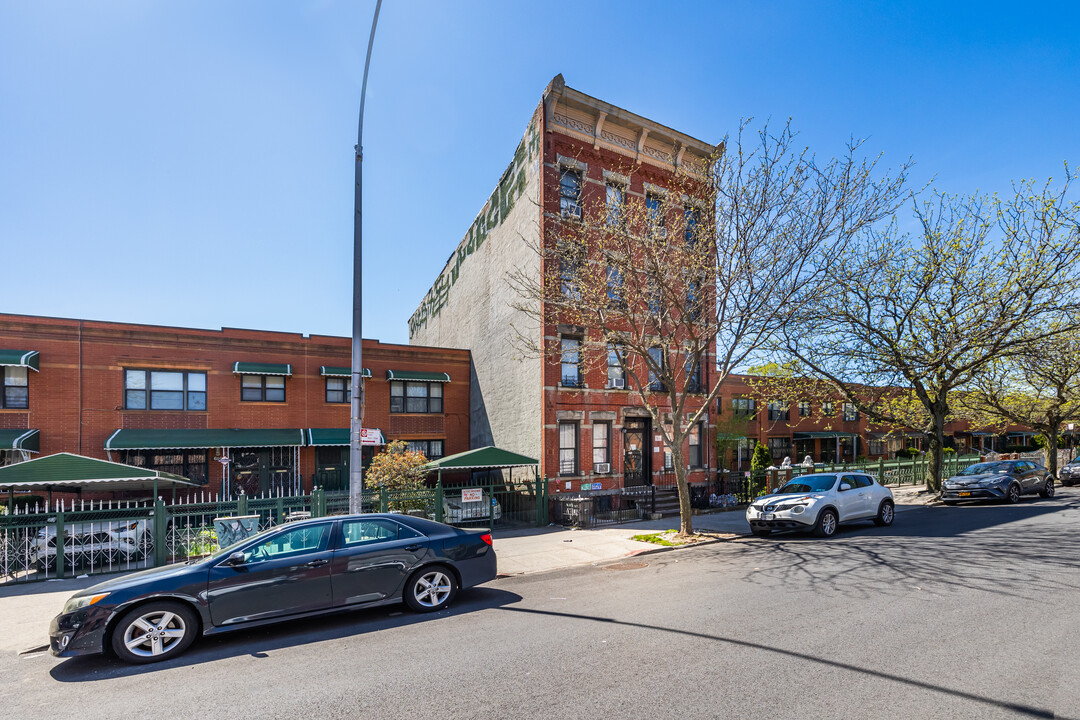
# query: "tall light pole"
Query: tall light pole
{"points": [[356, 406]]}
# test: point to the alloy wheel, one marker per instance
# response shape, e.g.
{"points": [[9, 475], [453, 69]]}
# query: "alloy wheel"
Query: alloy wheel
{"points": [[1014, 494], [155, 633], [432, 589]]}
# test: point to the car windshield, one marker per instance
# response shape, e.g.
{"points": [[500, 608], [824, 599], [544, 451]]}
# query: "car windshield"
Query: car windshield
{"points": [[809, 483], [1075, 460], [986, 468]]}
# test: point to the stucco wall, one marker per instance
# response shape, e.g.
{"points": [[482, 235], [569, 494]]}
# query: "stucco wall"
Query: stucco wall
{"points": [[470, 305]]}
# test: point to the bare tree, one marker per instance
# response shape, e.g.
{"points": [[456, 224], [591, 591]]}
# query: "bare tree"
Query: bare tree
{"points": [[694, 285], [982, 279]]}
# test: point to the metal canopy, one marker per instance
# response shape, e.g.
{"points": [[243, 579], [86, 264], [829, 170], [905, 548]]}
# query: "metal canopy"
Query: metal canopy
{"points": [[67, 471], [251, 368], [327, 370], [28, 440], [339, 437], [20, 358], [416, 375], [820, 435], [137, 439], [482, 458]]}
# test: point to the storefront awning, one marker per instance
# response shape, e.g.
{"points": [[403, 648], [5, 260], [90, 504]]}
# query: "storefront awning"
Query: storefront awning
{"points": [[20, 358], [339, 437], [415, 375], [821, 435], [250, 368], [28, 440], [342, 371], [127, 439], [65, 471]]}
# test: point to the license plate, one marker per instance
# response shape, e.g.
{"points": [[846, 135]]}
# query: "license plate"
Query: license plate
{"points": [[770, 516], [965, 494]]}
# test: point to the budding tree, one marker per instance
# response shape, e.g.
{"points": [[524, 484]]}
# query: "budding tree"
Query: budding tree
{"points": [[678, 286]]}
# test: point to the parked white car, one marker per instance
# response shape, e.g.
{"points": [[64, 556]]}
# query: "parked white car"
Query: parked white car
{"points": [[821, 502], [457, 511], [106, 542]]}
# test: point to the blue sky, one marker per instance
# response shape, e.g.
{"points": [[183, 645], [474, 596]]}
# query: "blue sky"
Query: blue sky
{"points": [[190, 163]]}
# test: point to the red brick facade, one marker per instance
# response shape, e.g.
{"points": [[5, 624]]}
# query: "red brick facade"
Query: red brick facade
{"points": [[77, 399]]}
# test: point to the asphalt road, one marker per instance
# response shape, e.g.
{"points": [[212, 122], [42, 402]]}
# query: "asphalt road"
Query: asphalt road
{"points": [[961, 612]]}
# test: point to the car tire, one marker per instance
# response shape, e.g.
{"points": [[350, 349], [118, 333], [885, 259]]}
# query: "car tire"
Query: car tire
{"points": [[948, 502], [761, 532], [430, 588], [885, 514], [1048, 489], [165, 629], [827, 523], [1012, 495]]}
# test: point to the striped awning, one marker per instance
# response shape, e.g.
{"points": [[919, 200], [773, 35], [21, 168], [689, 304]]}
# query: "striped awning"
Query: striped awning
{"points": [[252, 368], [28, 440], [20, 358], [417, 376], [140, 439], [329, 371]]}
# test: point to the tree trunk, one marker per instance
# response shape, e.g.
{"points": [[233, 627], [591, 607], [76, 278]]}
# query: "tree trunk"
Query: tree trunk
{"points": [[1052, 450], [686, 520], [937, 451]]}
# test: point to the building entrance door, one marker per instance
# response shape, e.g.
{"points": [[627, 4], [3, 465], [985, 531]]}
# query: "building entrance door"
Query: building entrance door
{"points": [[637, 460], [259, 471]]}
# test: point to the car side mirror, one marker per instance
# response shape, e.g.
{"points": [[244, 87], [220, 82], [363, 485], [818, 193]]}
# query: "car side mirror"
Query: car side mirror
{"points": [[237, 558], [844, 486]]}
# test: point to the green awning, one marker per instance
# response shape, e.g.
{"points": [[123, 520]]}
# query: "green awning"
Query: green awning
{"points": [[28, 440], [821, 435], [339, 437], [65, 471], [249, 368], [479, 459], [20, 358], [415, 375], [342, 371], [128, 439]]}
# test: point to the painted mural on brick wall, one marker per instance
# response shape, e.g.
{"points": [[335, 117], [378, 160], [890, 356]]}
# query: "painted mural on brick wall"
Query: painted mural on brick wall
{"points": [[498, 207]]}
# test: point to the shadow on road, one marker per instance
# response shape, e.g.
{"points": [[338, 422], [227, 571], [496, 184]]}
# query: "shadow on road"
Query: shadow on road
{"points": [[910, 682], [1009, 550], [256, 642]]}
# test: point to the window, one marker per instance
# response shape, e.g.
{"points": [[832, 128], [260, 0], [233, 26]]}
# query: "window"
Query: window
{"points": [[16, 395], [192, 464], [615, 287], [616, 196], [692, 221], [654, 216], [616, 367], [695, 446], [778, 411], [262, 388], [694, 382], [571, 362], [570, 192], [804, 408], [416, 397], [850, 413], [827, 408], [693, 300], [365, 532], [601, 443], [431, 449], [338, 389], [779, 447], [747, 407], [863, 481], [168, 390], [569, 267], [656, 354], [568, 448], [876, 446], [301, 541]]}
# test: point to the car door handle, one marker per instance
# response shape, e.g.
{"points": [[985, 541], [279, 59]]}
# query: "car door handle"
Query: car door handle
{"points": [[412, 548], [316, 563]]}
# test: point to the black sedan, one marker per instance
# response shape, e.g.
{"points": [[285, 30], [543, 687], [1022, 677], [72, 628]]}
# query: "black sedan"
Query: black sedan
{"points": [[300, 569], [999, 480]]}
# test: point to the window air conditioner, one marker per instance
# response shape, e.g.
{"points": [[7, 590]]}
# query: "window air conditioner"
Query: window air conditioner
{"points": [[602, 468], [617, 383]]}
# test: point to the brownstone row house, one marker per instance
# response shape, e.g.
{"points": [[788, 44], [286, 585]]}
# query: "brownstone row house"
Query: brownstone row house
{"points": [[247, 410]]}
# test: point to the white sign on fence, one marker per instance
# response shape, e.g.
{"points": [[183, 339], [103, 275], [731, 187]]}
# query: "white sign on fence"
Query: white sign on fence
{"points": [[472, 495]]}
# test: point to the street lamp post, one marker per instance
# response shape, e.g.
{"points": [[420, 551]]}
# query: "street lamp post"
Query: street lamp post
{"points": [[356, 406]]}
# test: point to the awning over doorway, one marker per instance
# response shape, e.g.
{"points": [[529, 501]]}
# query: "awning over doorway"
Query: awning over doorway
{"points": [[66, 471], [327, 370], [28, 440], [419, 376], [339, 437], [821, 435], [250, 368], [138, 439], [20, 358], [484, 458]]}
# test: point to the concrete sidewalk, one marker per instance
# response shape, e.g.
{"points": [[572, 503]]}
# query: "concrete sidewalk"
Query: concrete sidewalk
{"points": [[27, 609]]}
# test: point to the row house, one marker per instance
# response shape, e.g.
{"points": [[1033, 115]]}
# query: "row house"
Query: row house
{"points": [[232, 409]]}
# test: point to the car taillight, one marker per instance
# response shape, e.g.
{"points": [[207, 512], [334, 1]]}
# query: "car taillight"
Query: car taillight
{"points": [[486, 537]]}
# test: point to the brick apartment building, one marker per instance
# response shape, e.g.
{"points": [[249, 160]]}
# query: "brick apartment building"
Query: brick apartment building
{"points": [[590, 431], [236, 409]]}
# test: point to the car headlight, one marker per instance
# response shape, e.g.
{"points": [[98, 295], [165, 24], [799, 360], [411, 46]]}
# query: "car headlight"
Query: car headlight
{"points": [[798, 509], [84, 601]]}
